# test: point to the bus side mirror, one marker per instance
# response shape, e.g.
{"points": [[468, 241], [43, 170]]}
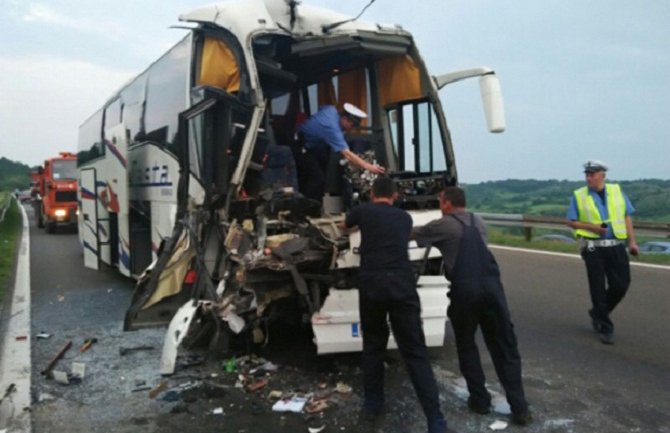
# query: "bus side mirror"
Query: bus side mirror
{"points": [[489, 87], [492, 100]]}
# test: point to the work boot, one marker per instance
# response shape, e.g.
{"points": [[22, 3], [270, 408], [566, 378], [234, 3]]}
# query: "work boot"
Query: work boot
{"points": [[371, 417], [476, 408], [607, 338], [437, 426], [522, 418], [594, 322]]}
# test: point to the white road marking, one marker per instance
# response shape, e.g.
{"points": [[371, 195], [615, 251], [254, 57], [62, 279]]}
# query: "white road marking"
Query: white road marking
{"points": [[15, 358], [575, 256]]}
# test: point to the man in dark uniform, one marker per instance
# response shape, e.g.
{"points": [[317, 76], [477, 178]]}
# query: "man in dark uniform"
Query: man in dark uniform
{"points": [[322, 134], [387, 293], [477, 299]]}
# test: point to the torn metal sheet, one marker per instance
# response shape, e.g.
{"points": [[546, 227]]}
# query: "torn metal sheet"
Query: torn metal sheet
{"points": [[172, 275], [175, 334]]}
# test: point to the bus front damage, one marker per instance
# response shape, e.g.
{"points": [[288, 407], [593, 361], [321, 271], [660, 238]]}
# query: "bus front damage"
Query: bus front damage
{"points": [[247, 248]]}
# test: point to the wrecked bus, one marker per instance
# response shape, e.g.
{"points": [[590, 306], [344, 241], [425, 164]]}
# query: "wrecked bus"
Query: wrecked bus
{"points": [[189, 180]]}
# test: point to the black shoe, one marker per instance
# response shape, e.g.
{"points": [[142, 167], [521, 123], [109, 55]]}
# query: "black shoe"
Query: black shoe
{"points": [[474, 407], [607, 338], [594, 322], [369, 416], [522, 419]]}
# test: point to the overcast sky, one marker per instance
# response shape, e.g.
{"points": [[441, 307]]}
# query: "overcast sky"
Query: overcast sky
{"points": [[581, 80]]}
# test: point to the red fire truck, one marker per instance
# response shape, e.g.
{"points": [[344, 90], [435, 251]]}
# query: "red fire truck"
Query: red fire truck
{"points": [[56, 186]]}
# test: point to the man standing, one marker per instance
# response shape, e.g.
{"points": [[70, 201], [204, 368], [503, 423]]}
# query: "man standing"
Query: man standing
{"points": [[387, 293], [477, 299], [322, 134], [600, 215]]}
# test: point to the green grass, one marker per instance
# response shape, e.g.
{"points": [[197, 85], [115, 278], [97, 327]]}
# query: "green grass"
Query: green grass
{"points": [[10, 229], [507, 237]]}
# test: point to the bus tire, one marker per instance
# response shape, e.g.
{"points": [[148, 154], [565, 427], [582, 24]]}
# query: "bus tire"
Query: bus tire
{"points": [[51, 227]]}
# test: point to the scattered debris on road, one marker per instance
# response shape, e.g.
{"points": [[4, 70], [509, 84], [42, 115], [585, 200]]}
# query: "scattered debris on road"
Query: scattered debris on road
{"points": [[498, 425], [57, 358], [126, 350], [87, 344]]}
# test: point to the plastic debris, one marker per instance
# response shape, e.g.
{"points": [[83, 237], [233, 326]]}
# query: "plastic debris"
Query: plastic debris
{"points": [[158, 389], [126, 350], [218, 411], [61, 377], [316, 429], [498, 425], [255, 386], [45, 396], [316, 406], [87, 344], [79, 369], [42, 336], [171, 396], [275, 394], [291, 404], [230, 365], [343, 388]]}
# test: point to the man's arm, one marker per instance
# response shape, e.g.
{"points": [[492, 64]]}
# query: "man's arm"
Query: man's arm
{"points": [[632, 244], [595, 228], [357, 160]]}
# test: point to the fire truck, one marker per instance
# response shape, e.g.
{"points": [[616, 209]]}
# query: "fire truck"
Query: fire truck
{"points": [[55, 186]]}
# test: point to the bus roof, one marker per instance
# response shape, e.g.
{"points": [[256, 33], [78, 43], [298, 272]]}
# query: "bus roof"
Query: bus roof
{"points": [[245, 17]]}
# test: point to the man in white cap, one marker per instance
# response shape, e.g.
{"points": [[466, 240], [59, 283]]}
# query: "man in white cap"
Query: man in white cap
{"points": [[323, 133], [600, 214]]}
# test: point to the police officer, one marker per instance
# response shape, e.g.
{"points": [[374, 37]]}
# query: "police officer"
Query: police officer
{"points": [[322, 134], [477, 300], [387, 293], [600, 214]]}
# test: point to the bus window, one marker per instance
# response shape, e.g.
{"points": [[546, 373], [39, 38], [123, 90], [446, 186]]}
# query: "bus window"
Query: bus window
{"points": [[90, 139], [167, 95], [112, 114], [416, 137], [132, 101]]}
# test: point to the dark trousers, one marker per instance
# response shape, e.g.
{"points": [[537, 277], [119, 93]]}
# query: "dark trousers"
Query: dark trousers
{"points": [[487, 307], [608, 271], [312, 173], [391, 297]]}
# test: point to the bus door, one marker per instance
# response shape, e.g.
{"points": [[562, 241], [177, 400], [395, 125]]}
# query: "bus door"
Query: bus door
{"points": [[114, 198]]}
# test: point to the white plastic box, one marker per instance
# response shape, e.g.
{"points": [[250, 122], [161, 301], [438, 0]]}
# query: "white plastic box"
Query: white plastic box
{"points": [[337, 325]]}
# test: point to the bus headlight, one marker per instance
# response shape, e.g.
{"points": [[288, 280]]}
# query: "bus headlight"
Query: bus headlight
{"points": [[60, 213]]}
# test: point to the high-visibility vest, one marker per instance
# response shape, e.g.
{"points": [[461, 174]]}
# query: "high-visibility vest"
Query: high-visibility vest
{"points": [[588, 211]]}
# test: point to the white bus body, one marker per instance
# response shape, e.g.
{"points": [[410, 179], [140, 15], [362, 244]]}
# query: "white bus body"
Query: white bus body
{"points": [[189, 180]]}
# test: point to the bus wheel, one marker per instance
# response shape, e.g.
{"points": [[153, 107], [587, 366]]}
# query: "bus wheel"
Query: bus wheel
{"points": [[51, 227]]}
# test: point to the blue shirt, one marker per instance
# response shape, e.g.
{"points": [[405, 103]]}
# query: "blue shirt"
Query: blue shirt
{"points": [[573, 213], [323, 129]]}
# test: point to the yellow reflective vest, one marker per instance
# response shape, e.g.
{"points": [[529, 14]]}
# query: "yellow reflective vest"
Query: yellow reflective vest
{"points": [[588, 211]]}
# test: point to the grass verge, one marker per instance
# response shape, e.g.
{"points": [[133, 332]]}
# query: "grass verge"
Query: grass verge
{"points": [[10, 229]]}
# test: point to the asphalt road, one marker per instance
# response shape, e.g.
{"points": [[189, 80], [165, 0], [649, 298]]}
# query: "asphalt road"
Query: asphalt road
{"points": [[573, 382]]}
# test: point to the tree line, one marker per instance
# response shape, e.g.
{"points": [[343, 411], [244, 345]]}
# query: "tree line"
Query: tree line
{"points": [[651, 197], [13, 175]]}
